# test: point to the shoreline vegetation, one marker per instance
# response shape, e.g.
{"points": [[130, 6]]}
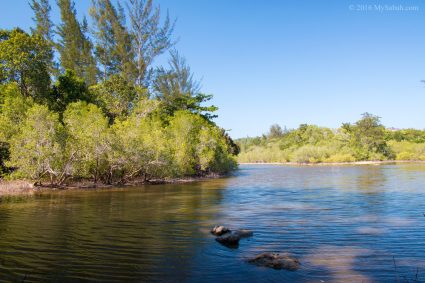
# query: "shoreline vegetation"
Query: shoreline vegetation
{"points": [[86, 106], [368, 162], [366, 141], [24, 187]]}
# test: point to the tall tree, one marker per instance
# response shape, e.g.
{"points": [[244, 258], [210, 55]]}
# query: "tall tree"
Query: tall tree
{"points": [[44, 29], [113, 48], [41, 18], [150, 38], [275, 131], [74, 46], [67, 89], [23, 59], [116, 96], [368, 136], [178, 90]]}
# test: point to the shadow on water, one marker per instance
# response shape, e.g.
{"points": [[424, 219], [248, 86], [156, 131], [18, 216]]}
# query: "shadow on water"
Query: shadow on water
{"points": [[124, 234], [344, 223]]}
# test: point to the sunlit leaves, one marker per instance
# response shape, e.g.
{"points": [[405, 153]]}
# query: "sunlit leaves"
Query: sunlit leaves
{"points": [[36, 149]]}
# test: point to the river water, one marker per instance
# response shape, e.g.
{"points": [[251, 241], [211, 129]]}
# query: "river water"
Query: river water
{"points": [[344, 223]]}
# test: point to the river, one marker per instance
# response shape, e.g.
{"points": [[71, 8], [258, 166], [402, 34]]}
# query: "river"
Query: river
{"points": [[344, 223]]}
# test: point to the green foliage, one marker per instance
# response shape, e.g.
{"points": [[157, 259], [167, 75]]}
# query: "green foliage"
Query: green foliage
{"points": [[67, 89], [233, 147], [263, 153], [113, 49], [87, 139], [340, 158], [102, 125], [197, 145], [41, 18], [140, 148], [183, 131], [310, 154], [116, 96], [412, 135], [36, 149], [23, 59], [214, 152], [408, 150], [74, 46], [177, 89], [4, 157], [13, 110], [44, 30], [149, 37], [275, 131], [367, 139]]}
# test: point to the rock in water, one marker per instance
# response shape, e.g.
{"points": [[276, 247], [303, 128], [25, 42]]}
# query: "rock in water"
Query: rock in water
{"points": [[243, 233], [229, 240], [276, 261], [219, 230]]}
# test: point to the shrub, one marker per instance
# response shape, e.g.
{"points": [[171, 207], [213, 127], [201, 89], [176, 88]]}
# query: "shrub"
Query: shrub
{"points": [[340, 157], [310, 154], [36, 150]]}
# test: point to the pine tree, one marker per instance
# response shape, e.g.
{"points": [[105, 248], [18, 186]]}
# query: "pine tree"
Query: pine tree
{"points": [[44, 29], [89, 61], [74, 46], [113, 48], [150, 39], [178, 90], [44, 25]]}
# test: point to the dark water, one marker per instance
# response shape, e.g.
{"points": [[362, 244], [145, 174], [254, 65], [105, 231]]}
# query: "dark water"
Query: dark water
{"points": [[345, 224]]}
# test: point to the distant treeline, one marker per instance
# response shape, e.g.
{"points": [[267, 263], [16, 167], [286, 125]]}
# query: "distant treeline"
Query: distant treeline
{"points": [[80, 102], [367, 139]]}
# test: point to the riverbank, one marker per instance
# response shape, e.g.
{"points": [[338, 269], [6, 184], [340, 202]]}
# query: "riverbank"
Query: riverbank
{"points": [[22, 187], [9, 188], [375, 162]]}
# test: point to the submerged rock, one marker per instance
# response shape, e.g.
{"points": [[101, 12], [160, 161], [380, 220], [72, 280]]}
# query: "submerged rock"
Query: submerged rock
{"points": [[244, 233], [219, 230], [276, 261], [229, 240]]}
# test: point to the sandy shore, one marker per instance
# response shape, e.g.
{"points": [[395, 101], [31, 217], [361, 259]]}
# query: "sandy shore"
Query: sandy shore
{"points": [[377, 162]]}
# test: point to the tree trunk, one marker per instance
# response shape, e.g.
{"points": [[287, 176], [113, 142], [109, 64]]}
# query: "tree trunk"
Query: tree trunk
{"points": [[95, 171]]}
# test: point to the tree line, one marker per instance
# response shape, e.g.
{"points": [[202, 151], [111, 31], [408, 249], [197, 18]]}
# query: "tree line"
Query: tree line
{"points": [[367, 139], [85, 102]]}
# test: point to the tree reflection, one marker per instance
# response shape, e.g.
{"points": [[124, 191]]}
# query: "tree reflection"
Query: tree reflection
{"points": [[122, 234]]}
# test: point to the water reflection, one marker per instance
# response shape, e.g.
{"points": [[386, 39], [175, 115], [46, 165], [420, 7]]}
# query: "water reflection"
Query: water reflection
{"points": [[122, 235], [342, 263], [344, 223]]}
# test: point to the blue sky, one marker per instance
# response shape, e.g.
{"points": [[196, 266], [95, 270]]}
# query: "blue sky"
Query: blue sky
{"points": [[300, 61]]}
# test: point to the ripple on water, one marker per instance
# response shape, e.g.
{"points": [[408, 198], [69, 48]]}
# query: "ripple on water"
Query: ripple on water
{"points": [[345, 224]]}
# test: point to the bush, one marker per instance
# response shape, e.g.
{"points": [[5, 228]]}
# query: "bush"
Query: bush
{"points": [[406, 156], [407, 150], [340, 157], [198, 146], [36, 149], [310, 154], [87, 143]]}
